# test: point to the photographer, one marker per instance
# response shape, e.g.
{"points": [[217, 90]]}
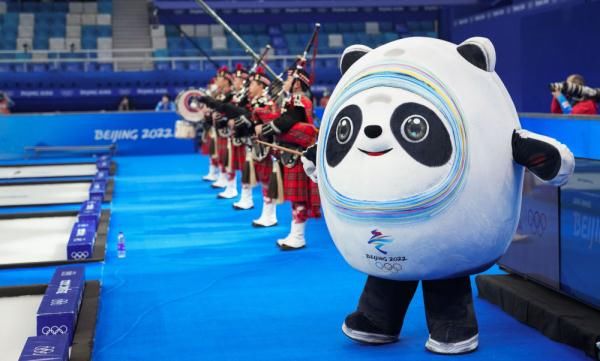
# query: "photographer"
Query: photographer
{"points": [[573, 97], [5, 103]]}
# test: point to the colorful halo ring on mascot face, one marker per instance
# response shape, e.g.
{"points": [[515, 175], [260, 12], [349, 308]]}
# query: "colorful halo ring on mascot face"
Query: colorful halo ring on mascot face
{"points": [[422, 204], [188, 107]]}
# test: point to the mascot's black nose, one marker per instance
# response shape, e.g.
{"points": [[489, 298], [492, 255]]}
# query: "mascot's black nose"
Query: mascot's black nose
{"points": [[373, 131]]}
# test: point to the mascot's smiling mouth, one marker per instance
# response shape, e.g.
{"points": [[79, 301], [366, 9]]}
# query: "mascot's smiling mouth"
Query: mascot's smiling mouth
{"points": [[375, 154]]}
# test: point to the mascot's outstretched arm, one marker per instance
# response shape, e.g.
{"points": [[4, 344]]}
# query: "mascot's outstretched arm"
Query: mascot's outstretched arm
{"points": [[309, 162], [547, 158]]}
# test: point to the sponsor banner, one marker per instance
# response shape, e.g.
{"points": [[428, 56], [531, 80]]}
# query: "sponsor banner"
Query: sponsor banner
{"points": [[134, 133], [580, 233]]}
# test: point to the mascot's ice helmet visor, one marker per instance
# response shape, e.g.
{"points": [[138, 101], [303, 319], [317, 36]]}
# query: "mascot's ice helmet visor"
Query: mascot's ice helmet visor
{"points": [[422, 204]]}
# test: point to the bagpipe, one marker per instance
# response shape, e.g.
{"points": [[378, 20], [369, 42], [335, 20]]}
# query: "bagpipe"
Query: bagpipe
{"points": [[301, 134], [279, 95]]}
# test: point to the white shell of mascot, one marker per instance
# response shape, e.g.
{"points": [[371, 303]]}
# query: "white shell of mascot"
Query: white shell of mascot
{"points": [[415, 160]]}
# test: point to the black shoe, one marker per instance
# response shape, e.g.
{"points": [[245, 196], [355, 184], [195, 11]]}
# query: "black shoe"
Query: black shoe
{"points": [[359, 328]]}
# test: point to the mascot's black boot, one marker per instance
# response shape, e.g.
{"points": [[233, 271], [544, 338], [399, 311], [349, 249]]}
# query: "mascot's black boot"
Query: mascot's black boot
{"points": [[381, 311], [450, 316]]}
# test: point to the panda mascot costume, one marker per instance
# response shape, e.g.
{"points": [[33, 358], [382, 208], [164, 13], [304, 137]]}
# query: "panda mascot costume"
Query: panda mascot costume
{"points": [[420, 163]]}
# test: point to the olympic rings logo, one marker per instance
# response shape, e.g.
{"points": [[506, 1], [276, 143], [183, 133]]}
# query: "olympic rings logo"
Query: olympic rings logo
{"points": [[537, 222], [43, 350], [80, 255], [54, 330], [388, 267]]}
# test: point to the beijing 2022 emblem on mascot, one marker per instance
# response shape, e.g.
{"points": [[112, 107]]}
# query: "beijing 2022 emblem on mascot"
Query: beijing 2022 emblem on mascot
{"points": [[420, 163]]}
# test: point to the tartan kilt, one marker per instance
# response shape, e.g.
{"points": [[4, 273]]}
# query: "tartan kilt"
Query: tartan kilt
{"points": [[222, 150], [239, 157], [205, 146], [298, 188], [263, 170]]}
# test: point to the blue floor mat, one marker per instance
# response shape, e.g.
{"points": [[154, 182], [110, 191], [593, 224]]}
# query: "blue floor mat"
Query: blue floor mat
{"points": [[199, 283]]}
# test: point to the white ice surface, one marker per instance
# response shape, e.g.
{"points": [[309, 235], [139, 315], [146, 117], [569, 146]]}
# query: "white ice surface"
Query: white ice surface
{"points": [[18, 320], [29, 240], [37, 194], [41, 171]]}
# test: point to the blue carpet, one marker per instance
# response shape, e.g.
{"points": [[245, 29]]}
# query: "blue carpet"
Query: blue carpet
{"points": [[199, 283]]}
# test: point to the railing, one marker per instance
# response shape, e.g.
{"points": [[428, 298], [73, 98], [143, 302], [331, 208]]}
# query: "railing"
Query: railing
{"points": [[143, 57]]}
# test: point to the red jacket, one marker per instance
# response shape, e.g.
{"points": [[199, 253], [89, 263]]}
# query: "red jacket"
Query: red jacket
{"points": [[588, 107]]}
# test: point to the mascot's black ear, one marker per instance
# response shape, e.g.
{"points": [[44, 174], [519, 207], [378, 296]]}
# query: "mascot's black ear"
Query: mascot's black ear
{"points": [[479, 52], [351, 54]]}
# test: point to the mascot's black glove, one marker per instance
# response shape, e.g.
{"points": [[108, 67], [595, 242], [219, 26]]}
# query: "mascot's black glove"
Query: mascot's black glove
{"points": [[547, 158], [309, 162]]}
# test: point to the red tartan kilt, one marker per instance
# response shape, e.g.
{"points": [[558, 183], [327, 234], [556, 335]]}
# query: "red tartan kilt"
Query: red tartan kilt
{"points": [[298, 188], [222, 150], [239, 157], [263, 170], [205, 147]]}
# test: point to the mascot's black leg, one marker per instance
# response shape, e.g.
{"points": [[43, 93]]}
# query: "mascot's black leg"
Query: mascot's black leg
{"points": [[450, 316], [381, 311]]}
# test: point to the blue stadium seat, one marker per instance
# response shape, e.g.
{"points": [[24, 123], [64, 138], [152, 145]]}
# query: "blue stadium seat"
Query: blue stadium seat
{"points": [[344, 27], [30, 7], [274, 30], [104, 30], [176, 53], [105, 7], [162, 65], [259, 28], [60, 7], [329, 28], [89, 43], [194, 65], [171, 31], [40, 43], [386, 26], [74, 67], [237, 52], [160, 53], [282, 51], [105, 67], [245, 29], [288, 28], [278, 42], [58, 32], [304, 27], [20, 67], [358, 26], [180, 65], [39, 67]]}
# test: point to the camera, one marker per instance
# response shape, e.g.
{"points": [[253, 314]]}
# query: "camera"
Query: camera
{"points": [[577, 91]]}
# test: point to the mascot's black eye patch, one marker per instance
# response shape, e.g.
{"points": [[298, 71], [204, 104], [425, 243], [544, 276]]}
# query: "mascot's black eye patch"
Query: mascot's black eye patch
{"points": [[421, 134], [342, 134]]}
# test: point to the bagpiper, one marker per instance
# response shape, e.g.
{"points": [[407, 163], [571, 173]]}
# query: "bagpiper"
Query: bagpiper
{"points": [[294, 129], [263, 111]]}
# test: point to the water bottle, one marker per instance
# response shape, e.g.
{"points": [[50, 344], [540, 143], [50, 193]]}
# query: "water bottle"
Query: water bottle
{"points": [[121, 252]]}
